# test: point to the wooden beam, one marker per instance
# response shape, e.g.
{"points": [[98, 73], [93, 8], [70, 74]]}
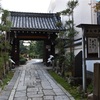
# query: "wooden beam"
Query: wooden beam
{"points": [[32, 37]]}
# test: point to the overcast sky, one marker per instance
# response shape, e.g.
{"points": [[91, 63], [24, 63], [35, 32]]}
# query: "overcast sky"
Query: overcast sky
{"points": [[26, 5]]}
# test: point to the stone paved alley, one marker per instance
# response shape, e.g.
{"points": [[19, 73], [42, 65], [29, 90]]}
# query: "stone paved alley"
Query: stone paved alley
{"points": [[32, 82]]}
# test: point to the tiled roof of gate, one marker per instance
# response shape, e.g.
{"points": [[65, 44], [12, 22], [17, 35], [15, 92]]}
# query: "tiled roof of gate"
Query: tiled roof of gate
{"points": [[35, 21]]}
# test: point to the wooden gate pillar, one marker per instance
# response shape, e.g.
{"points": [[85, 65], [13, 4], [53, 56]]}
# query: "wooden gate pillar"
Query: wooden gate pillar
{"points": [[96, 87], [44, 54], [52, 48], [47, 51], [15, 51]]}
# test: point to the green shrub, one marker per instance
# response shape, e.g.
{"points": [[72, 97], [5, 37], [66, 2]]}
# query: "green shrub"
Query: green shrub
{"points": [[90, 88], [31, 55], [22, 61], [6, 79]]}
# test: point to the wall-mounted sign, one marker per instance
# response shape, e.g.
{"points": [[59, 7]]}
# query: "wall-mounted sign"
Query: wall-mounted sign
{"points": [[92, 45], [91, 41]]}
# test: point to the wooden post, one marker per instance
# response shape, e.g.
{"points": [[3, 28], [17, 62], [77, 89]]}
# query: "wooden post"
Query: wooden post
{"points": [[96, 87], [83, 64]]}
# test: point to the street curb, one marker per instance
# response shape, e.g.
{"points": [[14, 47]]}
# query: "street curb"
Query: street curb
{"points": [[14, 87]]}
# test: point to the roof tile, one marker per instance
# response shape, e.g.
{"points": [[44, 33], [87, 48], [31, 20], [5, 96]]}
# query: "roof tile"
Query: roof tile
{"points": [[39, 21]]}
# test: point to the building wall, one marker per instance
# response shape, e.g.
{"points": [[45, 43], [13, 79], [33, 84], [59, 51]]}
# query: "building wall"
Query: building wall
{"points": [[83, 14]]}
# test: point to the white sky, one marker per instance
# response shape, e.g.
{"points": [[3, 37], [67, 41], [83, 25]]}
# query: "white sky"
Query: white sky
{"points": [[26, 5]]}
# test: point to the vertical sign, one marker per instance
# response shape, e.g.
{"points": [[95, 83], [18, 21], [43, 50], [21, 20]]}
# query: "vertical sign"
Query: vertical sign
{"points": [[92, 47]]}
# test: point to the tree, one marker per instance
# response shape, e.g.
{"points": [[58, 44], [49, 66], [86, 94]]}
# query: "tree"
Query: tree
{"points": [[61, 53], [70, 32], [32, 48], [70, 29], [4, 43], [39, 48], [97, 7], [23, 49], [36, 48]]}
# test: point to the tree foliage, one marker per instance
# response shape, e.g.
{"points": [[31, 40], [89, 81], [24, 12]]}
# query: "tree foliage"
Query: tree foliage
{"points": [[5, 23], [97, 7], [67, 37], [70, 31], [4, 43], [69, 12], [23, 49], [36, 47], [33, 50]]}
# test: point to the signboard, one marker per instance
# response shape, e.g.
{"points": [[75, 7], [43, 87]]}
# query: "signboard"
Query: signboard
{"points": [[92, 47]]}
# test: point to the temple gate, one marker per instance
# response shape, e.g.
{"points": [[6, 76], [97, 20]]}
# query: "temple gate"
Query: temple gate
{"points": [[33, 26]]}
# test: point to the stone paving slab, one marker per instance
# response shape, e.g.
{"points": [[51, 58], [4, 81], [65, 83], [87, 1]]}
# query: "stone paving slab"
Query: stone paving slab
{"points": [[49, 92], [48, 98], [20, 94], [6, 93], [32, 82], [21, 98], [61, 98], [4, 97], [37, 98]]}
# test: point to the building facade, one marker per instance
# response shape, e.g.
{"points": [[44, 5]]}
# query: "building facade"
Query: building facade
{"points": [[83, 14]]}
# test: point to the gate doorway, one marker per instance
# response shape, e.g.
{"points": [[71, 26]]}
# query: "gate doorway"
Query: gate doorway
{"points": [[34, 26], [31, 49]]}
